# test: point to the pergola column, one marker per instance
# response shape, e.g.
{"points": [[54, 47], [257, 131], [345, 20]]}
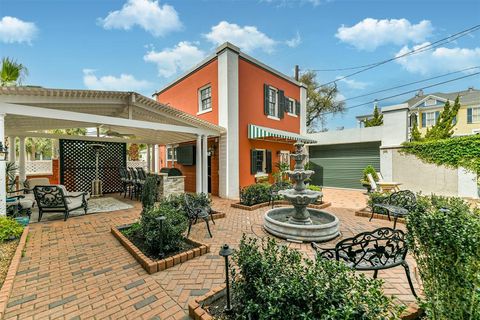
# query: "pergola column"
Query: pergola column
{"points": [[157, 159], [3, 176], [204, 165], [198, 165], [148, 158], [22, 173], [153, 155], [11, 149]]}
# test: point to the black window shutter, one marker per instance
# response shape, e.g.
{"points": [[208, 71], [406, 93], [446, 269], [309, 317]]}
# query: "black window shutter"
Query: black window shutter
{"points": [[424, 119], [268, 159], [266, 91], [253, 161], [281, 103], [297, 107], [469, 115]]}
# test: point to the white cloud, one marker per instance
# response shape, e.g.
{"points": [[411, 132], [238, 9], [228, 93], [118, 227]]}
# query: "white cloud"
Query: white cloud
{"points": [[353, 84], [15, 30], [370, 33], [172, 60], [248, 38], [148, 14], [294, 42], [125, 82], [289, 3], [439, 60]]}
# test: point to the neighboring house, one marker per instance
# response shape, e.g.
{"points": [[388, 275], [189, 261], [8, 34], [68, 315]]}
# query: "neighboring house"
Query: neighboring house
{"points": [[425, 110], [262, 110]]}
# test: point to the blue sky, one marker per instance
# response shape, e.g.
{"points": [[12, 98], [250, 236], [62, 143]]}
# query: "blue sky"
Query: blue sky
{"points": [[140, 45]]}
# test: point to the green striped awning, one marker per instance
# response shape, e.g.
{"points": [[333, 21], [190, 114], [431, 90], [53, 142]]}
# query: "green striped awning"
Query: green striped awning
{"points": [[264, 133]]}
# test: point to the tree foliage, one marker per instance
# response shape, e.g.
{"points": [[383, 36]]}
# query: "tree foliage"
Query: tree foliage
{"points": [[12, 73], [445, 123], [320, 100], [376, 120]]}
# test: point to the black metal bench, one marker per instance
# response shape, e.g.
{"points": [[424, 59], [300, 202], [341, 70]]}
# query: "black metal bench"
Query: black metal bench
{"points": [[398, 203], [380, 249]]}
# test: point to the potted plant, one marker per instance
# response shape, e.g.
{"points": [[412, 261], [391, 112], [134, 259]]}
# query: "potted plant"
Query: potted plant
{"points": [[364, 181]]}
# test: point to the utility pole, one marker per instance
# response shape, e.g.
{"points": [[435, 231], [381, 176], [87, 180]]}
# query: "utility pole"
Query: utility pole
{"points": [[297, 71]]}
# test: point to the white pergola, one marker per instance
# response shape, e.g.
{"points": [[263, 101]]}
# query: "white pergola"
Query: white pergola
{"points": [[34, 111]]}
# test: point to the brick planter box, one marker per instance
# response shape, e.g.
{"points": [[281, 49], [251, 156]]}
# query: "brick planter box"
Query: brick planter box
{"points": [[365, 212], [7, 286], [152, 266], [238, 205], [197, 310]]}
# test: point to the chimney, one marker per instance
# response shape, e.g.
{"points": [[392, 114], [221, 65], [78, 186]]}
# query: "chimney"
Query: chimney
{"points": [[470, 89], [419, 93]]}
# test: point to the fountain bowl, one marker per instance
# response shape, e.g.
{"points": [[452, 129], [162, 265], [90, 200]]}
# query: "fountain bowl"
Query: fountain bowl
{"points": [[324, 225]]}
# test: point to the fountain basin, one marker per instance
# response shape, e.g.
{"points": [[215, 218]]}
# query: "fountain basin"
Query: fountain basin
{"points": [[324, 225]]}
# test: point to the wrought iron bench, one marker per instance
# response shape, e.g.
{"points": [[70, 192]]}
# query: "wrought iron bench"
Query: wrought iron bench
{"points": [[54, 198], [380, 249], [398, 203], [197, 212]]}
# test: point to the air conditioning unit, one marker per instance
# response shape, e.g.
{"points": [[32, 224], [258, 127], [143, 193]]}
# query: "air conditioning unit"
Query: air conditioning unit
{"points": [[476, 131]]}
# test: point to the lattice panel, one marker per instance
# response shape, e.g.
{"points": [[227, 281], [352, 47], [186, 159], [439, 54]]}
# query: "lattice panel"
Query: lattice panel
{"points": [[77, 165]]}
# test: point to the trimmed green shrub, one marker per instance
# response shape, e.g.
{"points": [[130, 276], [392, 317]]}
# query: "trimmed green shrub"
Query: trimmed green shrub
{"points": [[9, 229], [369, 169], [150, 191], [444, 237], [275, 282], [314, 187], [254, 194]]}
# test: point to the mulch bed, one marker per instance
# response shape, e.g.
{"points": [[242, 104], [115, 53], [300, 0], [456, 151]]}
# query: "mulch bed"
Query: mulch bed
{"points": [[238, 205], [189, 250], [7, 251]]}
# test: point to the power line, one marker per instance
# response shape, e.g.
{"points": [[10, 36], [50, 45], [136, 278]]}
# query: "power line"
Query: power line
{"points": [[404, 93], [409, 84], [430, 46]]}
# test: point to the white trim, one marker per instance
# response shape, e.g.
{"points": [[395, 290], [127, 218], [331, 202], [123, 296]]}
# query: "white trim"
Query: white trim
{"points": [[303, 110], [204, 164], [204, 111], [273, 118], [198, 165], [3, 174], [292, 115], [228, 110], [477, 115], [430, 96]]}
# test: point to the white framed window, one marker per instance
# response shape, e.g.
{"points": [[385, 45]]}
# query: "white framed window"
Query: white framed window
{"points": [[430, 118], [205, 99], [284, 157], [260, 164], [171, 154], [476, 114], [291, 107], [273, 102]]}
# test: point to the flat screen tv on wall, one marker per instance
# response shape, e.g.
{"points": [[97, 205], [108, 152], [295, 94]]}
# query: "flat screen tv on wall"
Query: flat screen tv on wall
{"points": [[186, 155]]}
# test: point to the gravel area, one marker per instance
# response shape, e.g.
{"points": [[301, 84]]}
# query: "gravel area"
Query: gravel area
{"points": [[7, 250]]}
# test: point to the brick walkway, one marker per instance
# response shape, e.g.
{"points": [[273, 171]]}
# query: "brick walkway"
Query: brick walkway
{"points": [[78, 270]]}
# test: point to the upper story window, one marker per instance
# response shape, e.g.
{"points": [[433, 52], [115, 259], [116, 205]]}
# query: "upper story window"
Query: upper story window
{"points": [[473, 115], [272, 102], [291, 106], [205, 99]]}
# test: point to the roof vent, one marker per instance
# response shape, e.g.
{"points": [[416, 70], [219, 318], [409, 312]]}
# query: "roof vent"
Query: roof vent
{"points": [[419, 93], [470, 89]]}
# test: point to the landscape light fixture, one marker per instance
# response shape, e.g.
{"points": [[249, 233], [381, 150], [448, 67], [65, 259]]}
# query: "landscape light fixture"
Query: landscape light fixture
{"points": [[225, 252]]}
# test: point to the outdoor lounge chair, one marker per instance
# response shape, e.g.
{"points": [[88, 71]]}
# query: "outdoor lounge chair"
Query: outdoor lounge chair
{"points": [[195, 213], [380, 249], [55, 198], [387, 186]]}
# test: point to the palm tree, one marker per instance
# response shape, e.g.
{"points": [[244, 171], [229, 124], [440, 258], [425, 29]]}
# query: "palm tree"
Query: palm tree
{"points": [[12, 73]]}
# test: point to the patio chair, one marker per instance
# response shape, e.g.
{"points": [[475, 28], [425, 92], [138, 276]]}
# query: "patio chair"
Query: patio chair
{"points": [[195, 213], [54, 198], [142, 174], [137, 184], [398, 203], [387, 186], [380, 249], [126, 181], [25, 200]]}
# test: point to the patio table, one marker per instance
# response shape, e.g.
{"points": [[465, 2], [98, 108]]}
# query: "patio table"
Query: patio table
{"points": [[396, 211]]}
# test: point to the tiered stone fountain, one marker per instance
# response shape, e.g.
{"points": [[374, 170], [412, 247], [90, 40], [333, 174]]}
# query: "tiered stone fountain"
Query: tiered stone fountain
{"points": [[301, 223]]}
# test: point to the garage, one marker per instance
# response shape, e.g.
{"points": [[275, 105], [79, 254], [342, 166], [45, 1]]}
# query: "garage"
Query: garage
{"points": [[341, 165]]}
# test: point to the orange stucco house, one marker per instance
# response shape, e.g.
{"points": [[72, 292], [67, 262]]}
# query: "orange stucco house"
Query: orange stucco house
{"points": [[261, 109]]}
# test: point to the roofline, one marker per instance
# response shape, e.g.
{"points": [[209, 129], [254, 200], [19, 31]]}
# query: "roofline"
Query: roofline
{"points": [[212, 57], [426, 98]]}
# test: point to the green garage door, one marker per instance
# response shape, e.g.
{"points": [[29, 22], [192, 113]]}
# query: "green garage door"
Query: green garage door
{"points": [[341, 165]]}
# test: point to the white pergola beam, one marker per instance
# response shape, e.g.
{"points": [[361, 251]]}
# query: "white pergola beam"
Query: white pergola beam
{"points": [[37, 112]]}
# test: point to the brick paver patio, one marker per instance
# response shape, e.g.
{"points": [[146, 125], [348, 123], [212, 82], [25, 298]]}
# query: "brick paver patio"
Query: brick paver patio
{"points": [[78, 270]]}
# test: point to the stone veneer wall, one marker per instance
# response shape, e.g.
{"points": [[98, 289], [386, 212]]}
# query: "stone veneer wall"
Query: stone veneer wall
{"points": [[170, 185]]}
